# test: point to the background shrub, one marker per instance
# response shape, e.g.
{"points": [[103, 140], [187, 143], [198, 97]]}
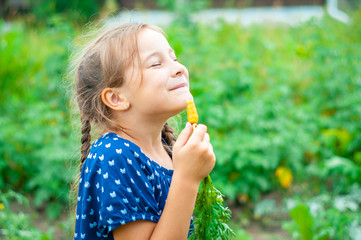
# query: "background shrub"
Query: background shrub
{"points": [[277, 96], [36, 143]]}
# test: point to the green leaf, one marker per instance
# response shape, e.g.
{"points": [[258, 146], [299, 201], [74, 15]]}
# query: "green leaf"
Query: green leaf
{"points": [[211, 216], [301, 215], [53, 210]]}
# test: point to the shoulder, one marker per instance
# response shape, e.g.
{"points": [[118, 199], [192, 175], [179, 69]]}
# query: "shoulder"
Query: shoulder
{"points": [[110, 150], [110, 145]]}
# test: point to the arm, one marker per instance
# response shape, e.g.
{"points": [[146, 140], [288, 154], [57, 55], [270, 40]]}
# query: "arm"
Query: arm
{"points": [[193, 160], [175, 219]]}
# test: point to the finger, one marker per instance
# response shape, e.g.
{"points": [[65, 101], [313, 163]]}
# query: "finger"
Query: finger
{"points": [[198, 133], [206, 138], [184, 135], [211, 148]]}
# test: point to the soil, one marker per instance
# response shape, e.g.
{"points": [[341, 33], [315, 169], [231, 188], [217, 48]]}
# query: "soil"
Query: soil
{"points": [[258, 232], [266, 228]]}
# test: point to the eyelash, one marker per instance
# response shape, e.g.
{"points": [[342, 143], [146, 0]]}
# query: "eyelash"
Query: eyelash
{"points": [[158, 64]]}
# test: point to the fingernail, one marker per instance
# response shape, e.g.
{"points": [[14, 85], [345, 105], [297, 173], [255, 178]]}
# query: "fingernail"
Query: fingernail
{"points": [[188, 124]]}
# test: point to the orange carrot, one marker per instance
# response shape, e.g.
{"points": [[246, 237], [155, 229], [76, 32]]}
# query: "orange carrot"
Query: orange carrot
{"points": [[192, 114]]}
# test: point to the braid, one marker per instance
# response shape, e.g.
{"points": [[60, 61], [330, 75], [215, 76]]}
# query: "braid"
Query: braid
{"points": [[85, 140], [168, 136]]}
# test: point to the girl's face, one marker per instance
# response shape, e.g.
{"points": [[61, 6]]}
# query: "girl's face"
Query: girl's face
{"points": [[164, 88]]}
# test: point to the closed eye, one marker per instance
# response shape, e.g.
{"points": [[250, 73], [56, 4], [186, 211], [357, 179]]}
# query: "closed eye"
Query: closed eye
{"points": [[155, 65]]}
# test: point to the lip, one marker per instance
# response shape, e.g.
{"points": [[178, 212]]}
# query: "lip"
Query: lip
{"points": [[179, 86]]}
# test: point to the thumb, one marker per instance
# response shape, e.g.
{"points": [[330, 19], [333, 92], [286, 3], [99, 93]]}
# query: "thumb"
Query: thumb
{"points": [[184, 135]]}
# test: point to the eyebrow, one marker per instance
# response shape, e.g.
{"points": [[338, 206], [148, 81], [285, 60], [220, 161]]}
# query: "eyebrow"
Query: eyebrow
{"points": [[171, 50]]}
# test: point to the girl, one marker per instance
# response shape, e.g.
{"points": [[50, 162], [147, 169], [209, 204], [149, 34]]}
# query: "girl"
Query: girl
{"points": [[137, 181]]}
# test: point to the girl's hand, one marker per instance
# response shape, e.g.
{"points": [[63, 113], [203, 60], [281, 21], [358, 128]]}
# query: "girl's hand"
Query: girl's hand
{"points": [[193, 156]]}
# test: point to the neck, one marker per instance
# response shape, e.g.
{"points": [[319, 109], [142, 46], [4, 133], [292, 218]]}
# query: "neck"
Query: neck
{"points": [[145, 132]]}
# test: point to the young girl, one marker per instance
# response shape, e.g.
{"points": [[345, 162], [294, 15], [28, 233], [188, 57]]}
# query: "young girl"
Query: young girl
{"points": [[137, 181]]}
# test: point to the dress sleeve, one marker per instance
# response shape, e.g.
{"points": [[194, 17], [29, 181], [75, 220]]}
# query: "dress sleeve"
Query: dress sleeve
{"points": [[125, 188]]}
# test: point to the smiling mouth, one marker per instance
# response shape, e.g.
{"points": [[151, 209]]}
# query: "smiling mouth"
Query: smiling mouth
{"points": [[179, 86]]}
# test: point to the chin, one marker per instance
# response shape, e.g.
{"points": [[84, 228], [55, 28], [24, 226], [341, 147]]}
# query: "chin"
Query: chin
{"points": [[179, 101], [179, 107]]}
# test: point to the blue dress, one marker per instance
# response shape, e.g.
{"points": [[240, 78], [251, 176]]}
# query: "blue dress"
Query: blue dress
{"points": [[118, 184]]}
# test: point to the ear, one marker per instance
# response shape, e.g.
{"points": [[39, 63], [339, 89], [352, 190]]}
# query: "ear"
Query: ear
{"points": [[112, 98]]}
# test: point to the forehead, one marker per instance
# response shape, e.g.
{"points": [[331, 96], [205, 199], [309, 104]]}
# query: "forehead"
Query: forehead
{"points": [[150, 40]]}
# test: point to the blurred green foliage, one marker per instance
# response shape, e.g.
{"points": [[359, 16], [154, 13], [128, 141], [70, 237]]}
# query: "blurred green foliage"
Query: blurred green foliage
{"points": [[324, 217], [78, 10], [35, 143], [183, 8], [18, 225], [277, 96], [271, 96]]}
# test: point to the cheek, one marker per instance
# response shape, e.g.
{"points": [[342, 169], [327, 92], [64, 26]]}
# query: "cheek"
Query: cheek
{"points": [[186, 74], [153, 86], [132, 81], [154, 81]]}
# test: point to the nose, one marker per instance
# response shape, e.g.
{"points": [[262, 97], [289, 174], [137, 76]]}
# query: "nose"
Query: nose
{"points": [[178, 69]]}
